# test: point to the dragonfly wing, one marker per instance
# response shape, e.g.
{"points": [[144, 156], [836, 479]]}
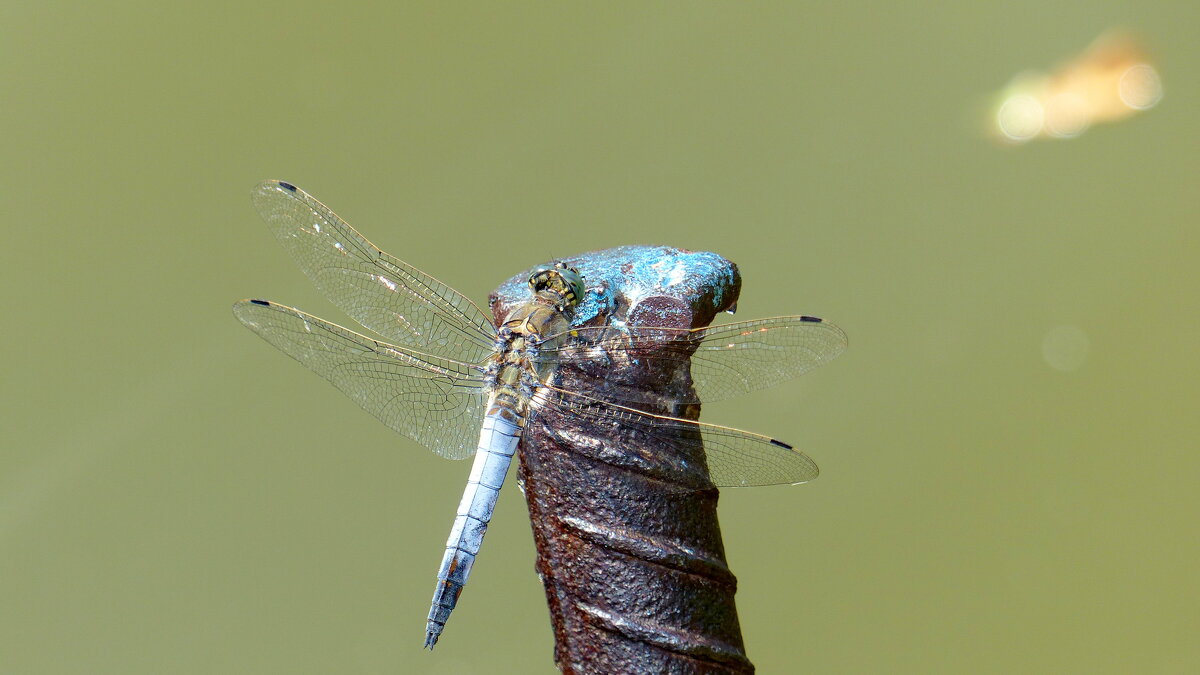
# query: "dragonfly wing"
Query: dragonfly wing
{"points": [[725, 360], [742, 357], [435, 401], [735, 458], [739, 458], [381, 292]]}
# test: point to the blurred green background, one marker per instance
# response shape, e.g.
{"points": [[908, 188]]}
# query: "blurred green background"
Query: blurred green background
{"points": [[1009, 448]]}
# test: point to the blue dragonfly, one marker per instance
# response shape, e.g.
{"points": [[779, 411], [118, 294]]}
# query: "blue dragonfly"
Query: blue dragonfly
{"points": [[461, 385]]}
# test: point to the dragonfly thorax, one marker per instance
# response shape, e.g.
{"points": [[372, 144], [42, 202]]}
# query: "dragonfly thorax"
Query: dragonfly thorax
{"points": [[527, 329]]}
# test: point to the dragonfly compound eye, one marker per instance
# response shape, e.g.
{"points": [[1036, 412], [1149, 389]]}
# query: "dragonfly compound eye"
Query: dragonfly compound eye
{"points": [[566, 281]]}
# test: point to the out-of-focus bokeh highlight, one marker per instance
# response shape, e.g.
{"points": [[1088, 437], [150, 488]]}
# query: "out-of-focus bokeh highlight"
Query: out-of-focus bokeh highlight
{"points": [[1111, 80]]}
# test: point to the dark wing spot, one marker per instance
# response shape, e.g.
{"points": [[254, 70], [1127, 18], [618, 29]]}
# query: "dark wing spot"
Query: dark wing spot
{"points": [[287, 186], [810, 319], [781, 444], [264, 303]]}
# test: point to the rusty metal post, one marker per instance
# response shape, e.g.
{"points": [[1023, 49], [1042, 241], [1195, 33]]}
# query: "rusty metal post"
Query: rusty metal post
{"points": [[628, 545]]}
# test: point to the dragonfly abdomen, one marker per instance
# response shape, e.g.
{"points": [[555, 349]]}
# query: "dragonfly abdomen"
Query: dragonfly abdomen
{"points": [[497, 444]]}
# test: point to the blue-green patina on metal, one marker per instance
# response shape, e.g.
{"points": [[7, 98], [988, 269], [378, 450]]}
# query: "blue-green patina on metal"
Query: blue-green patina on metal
{"points": [[641, 272]]}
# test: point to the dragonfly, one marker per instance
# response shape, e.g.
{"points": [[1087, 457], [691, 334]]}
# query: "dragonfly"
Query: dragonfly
{"points": [[454, 381]]}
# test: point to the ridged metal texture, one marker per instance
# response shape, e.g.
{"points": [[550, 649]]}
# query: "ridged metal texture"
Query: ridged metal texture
{"points": [[629, 548]]}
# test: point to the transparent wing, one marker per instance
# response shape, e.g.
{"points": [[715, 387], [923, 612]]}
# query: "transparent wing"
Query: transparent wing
{"points": [[735, 458], [725, 360], [381, 292], [437, 402]]}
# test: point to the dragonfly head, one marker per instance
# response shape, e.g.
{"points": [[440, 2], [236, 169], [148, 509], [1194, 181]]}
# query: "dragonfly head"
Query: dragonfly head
{"points": [[564, 282]]}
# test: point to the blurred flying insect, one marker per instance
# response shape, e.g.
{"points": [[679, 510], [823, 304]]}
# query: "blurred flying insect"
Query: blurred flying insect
{"points": [[1111, 80]]}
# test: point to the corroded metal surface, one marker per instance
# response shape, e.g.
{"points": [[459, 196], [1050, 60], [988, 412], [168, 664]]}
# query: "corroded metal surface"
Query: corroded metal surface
{"points": [[625, 523]]}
